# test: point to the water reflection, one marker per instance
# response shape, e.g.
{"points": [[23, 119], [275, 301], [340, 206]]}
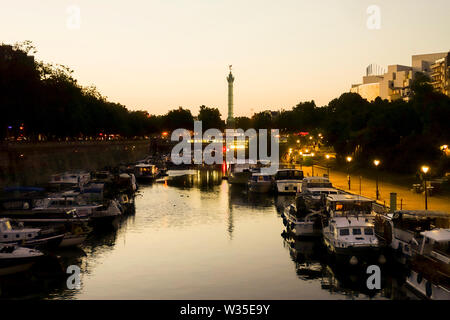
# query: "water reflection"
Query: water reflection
{"points": [[194, 236]]}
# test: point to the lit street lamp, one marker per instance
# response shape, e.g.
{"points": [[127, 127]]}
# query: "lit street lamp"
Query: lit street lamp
{"points": [[349, 159], [328, 164], [376, 163], [425, 170]]}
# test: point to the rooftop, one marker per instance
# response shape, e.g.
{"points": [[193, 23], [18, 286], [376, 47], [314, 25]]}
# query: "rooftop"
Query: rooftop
{"points": [[348, 198], [438, 235]]}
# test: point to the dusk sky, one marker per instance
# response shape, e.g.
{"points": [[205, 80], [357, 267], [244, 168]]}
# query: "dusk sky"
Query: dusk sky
{"points": [[158, 55]]}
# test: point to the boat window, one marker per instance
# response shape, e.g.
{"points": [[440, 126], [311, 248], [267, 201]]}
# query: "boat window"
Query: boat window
{"points": [[339, 206], [368, 231], [356, 231], [344, 232], [442, 248], [266, 178]]}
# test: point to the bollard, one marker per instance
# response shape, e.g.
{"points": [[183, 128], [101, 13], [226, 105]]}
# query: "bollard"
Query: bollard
{"points": [[393, 203]]}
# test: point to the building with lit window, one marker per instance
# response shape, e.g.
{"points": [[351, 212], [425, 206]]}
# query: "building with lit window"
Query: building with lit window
{"points": [[396, 82]]}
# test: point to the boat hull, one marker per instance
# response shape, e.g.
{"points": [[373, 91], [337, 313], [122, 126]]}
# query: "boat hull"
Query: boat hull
{"points": [[427, 289], [288, 186], [354, 255], [239, 178], [260, 187], [71, 240]]}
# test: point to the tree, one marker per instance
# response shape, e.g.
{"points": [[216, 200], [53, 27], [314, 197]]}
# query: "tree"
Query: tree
{"points": [[210, 118]]}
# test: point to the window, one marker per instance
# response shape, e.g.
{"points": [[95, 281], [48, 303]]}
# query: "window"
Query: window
{"points": [[368, 231], [356, 231], [344, 232]]}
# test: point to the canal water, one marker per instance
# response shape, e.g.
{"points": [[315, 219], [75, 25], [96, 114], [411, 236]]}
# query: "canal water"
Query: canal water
{"points": [[196, 237]]}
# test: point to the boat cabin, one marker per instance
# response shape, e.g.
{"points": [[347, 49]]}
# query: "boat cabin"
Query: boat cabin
{"points": [[348, 204], [436, 244], [144, 170], [10, 234], [289, 174]]}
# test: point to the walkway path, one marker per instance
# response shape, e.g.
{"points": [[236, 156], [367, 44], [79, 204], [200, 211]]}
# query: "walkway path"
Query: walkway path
{"points": [[406, 199]]}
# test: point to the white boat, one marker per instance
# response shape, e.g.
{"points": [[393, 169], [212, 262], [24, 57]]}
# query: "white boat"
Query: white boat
{"points": [[14, 259], [430, 269], [240, 173], [71, 178], [315, 191], [13, 233], [401, 230], [127, 182], [66, 203], [288, 180], [302, 225], [107, 215], [76, 234], [145, 172], [349, 233], [260, 183], [72, 240]]}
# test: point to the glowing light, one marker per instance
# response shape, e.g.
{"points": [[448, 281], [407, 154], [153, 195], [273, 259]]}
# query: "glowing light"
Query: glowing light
{"points": [[165, 133], [444, 147], [376, 162], [425, 169], [327, 156], [349, 159]]}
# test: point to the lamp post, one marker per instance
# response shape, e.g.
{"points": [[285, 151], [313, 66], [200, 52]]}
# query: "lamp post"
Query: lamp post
{"points": [[376, 163], [328, 164], [425, 170], [349, 159]]}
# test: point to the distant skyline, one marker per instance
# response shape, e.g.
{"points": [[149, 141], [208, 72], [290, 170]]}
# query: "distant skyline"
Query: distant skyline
{"points": [[158, 55]]}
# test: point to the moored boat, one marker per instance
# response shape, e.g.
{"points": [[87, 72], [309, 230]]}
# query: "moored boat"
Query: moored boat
{"points": [[402, 230], [240, 173], [288, 180], [315, 191], [348, 232], [302, 222], [15, 259], [430, 268], [145, 172], [13, 233], [260, 183]]}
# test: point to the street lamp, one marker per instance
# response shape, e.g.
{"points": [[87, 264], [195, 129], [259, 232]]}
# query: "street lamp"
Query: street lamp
{"points": [[327, 156], [349, 159], [376, 162], [425, 170]]}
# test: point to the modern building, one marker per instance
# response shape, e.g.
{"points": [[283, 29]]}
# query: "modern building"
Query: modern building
{"points": [[230, 118], [396, 82], [370, 88], [440, 75]]}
